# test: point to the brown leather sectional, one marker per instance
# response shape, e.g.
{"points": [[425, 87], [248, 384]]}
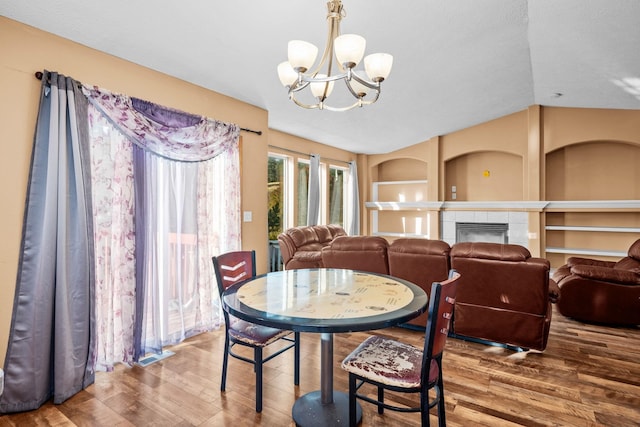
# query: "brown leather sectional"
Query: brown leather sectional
{"points": [[504, 294], [603, 292], [301, 247]]}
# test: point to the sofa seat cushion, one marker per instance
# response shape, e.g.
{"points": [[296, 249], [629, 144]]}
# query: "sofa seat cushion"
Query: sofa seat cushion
{"points": [[623, 277]]}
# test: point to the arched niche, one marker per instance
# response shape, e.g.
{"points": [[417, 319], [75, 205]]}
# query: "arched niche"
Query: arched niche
{"points": [[484, 175], [400, 169], [593, 170]]}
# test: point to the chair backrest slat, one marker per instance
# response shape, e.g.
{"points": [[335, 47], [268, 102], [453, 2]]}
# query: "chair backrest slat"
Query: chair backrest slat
{"points": [[441, 303], [234, 267]]}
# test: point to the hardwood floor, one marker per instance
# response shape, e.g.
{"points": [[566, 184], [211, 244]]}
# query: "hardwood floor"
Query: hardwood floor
{"points": [[588, 376]]}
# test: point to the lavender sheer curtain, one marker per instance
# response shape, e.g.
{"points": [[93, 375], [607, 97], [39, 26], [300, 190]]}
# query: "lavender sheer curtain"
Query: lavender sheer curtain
{"points": [[186, 188], [50, 346]]}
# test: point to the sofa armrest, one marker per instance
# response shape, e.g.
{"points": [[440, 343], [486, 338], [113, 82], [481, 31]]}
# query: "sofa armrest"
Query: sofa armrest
{"points": [[287, 248], [554, 291], [574, 260], [606, 274]]}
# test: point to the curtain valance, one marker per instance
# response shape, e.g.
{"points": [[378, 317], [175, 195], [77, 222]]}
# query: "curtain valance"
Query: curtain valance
{"points": [[169, 133]]}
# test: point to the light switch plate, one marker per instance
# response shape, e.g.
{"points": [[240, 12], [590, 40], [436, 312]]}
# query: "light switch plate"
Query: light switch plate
{"points": [[247, 216]]}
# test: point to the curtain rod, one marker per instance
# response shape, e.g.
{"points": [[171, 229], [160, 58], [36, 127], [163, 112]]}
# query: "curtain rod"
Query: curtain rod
{"points": [[39, 75], [288, 150]]}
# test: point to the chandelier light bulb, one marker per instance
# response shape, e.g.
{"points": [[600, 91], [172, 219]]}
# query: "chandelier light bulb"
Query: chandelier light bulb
{"points": [[360, 89], [318, 88], [287, 74], [349, 49], [378, 66], [302, 55]]}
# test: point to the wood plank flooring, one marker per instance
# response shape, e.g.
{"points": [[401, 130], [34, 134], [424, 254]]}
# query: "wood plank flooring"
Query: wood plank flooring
{"points": [[588, 376]]}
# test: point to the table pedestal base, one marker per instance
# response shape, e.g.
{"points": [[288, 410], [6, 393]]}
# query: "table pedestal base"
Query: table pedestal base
{"points": [[310, 411]]}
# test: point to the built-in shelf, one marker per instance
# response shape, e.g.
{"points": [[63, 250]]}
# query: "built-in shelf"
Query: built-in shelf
{"points": [[405, 198], [592, 205], [590, 228], [403, 206], [614, 209], [590, 252]]}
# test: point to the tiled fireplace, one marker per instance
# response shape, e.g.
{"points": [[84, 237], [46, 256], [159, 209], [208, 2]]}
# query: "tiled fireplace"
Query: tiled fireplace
{"points": [[488, 226]]}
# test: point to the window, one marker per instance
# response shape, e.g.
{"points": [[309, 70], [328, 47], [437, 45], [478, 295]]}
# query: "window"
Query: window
{"points": [[337, 194], [277, 187], [288, 181]]}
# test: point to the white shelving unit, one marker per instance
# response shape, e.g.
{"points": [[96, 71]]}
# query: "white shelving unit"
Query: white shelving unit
{"points": [[590, 207], [410, 198]]}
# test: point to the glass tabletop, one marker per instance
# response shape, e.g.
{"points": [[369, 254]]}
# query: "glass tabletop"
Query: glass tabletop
{"points": [[325, 300]]}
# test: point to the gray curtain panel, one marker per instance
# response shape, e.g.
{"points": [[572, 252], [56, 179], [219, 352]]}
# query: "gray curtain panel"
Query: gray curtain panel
{"points": [[50, 349], [313, 210], [353, 228]]}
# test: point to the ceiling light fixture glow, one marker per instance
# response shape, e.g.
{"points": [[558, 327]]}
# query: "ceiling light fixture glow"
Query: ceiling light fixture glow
{"points": [[347, 51]]}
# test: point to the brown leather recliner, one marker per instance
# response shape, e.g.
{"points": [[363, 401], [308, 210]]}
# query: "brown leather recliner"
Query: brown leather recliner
{"points": [[365, 253], [601, 291], [301, 246], [503, 295], [420, 261]]}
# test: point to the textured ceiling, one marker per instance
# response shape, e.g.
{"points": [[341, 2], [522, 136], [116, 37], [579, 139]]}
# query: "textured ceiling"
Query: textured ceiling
{"points": [[456, 63]]}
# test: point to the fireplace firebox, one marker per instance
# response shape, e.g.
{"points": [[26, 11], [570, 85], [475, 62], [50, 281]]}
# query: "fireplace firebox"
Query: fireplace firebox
{"points": [[482, 232]]}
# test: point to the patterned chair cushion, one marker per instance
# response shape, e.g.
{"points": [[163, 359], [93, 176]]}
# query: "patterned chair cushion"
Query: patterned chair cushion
{"points": [[388, 362], [254, 334]]}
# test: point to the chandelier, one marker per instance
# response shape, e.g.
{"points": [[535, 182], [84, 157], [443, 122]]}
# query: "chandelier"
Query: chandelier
{"points": [[296, 74]]}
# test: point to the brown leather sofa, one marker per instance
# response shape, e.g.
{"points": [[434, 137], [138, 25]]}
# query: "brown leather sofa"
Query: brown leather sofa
{"points": [[301, 247], [603, 292], [420, 261], [504, 294]]}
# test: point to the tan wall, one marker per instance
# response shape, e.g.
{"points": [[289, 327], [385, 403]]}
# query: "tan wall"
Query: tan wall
{"points": [[486, 162], [25, 50], [538, 154], [531, 136]]}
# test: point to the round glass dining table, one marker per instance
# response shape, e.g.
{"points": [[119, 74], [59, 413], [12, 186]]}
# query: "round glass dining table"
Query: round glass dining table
{"points": [[325, 301]]}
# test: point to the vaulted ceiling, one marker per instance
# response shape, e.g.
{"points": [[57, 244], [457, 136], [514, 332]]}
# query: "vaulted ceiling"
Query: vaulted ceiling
{"points": [[457, 63]]}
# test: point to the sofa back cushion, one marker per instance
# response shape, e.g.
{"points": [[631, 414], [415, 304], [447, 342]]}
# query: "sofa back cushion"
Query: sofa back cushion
{"points": [[420, 261], [314, 237], [494, 251], [366, 253], [501, 276]]}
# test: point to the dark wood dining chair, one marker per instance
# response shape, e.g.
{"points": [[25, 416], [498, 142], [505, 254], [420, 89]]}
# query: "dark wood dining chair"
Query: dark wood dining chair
{"points": [[232, 268], [392, 365]]}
